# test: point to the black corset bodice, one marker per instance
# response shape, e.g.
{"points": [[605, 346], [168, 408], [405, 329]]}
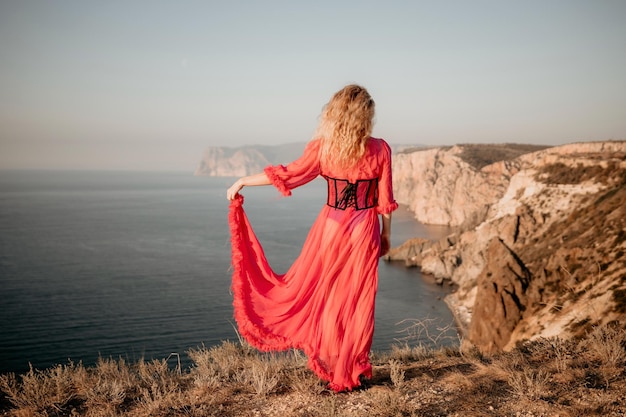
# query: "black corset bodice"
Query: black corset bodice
{"points": [[363, 194]]}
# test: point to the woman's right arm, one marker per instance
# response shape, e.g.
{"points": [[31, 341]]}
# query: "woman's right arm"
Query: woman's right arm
{"points": [[385, 234], [386, 203]]}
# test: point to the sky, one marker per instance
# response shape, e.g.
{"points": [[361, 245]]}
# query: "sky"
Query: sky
{"points": [[149, 85]]}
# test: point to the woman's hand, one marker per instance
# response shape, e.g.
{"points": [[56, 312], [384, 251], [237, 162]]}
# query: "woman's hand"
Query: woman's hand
{"points": [[234, 189], [385, 244]]}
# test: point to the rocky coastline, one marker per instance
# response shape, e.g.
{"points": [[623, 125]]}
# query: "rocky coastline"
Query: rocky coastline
{"points": [[540, 236]]}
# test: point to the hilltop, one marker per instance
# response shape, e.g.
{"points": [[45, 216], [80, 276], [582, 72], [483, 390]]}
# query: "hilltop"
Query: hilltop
{"points": [[546, 377]]}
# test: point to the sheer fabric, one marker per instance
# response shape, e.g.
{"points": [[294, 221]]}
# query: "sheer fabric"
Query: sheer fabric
{"points": [[324, 303]]}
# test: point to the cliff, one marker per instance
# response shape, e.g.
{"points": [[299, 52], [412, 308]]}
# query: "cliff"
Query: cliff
{"points": [[455, 185], [540, 247]]}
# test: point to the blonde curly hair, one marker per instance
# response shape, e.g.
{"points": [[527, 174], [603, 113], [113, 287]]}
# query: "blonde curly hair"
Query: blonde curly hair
{"points": [[346, 125]]}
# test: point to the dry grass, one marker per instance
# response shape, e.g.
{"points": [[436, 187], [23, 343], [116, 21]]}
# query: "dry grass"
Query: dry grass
{"points": [[560, 173], [481, 155], [546, 377]]}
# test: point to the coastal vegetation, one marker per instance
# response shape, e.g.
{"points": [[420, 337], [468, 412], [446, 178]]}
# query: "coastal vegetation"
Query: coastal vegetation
{"points": [[481, 155], [544, 377]]}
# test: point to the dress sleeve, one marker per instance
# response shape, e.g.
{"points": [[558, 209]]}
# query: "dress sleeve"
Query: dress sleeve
{"points": [[297, 173], [386, 202]]}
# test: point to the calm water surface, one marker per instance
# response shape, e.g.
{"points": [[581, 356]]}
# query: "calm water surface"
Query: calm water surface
{"points": [[136, 265]]}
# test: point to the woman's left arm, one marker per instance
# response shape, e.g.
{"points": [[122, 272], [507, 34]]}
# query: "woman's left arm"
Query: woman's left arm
{"points": [[248, 181]]}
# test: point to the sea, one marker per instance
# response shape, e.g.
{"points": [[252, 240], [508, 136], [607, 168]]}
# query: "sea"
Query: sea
{"points": [[136, 265]]}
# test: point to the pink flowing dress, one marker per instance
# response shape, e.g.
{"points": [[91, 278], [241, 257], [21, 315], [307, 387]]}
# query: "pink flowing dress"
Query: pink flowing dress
{"points": [[324, 303]]}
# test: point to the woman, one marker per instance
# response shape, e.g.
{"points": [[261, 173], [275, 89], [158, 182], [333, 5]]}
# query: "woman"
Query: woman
{"points": [[324, 303]]}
